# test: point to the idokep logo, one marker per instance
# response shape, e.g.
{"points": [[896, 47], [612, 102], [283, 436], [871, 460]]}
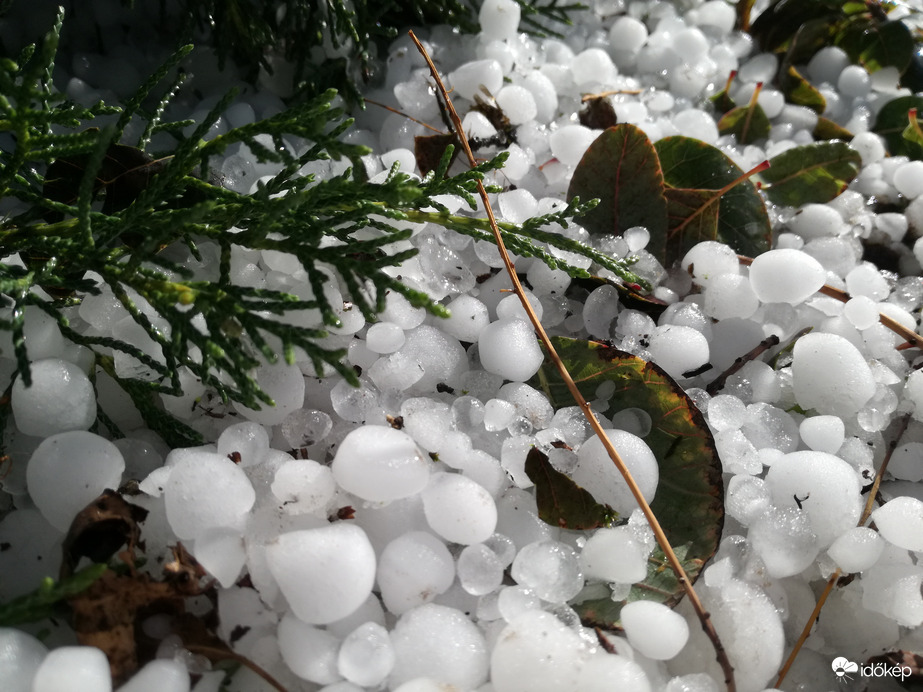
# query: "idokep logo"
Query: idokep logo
{"points": [[843, 667]]}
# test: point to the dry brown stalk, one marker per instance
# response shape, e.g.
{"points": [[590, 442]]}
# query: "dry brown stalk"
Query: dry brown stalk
{"points": [[659, 534]]}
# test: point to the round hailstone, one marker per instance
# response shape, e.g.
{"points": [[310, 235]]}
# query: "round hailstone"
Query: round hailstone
{"points": [[908, 179], [679, 350], [854, 81], [549, 568], [697, 124], [817, 221], [830, 375], [627, 34], [61, 398], [517, 104], [862, 312], [285, 385], [709, 259], [613, 555], [20, 656], [871, 147], [384, 337], [458, 509], [324, 573], [309, 652], [480, 570], [593, 65], [207, 490], [570, 142], [468, 316], [786, 276], [595, 470], [160, 675], [414, 568], [68, 471], [900, 521], [784, 541], [508, 348], [827, 487], [441, 643], [499, 20], [823, 433], [857, 549], [654, 630], [536, 652], [511, 307], [304, 486], [379, 464], [73, 668], [466, 81], [250, 440], [366, 656], [730, 295]]}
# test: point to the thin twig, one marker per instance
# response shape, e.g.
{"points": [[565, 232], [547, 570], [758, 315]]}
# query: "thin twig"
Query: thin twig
{"points": [[409, 117], [604, 94], [832, 580], [718, 383], [214, 654], [661, 537]]}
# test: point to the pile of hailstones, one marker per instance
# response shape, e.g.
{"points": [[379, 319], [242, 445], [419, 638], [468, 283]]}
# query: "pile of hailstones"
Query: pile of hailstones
{"points": [[440, 575]]}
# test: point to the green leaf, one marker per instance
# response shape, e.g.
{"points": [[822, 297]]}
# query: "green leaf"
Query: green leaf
{"points": [[891, 122], [826, 129], [696, 173], [621, 168], [810, 173], [749, 123], [912, 133], [777, 25], [39, 604], [800, 91], [561, 502], [690, 495], [875, 45]]}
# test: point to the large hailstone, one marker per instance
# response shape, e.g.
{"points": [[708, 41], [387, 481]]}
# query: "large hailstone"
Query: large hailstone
{"points": [[830, 375], [596, 472], [379, 464]]}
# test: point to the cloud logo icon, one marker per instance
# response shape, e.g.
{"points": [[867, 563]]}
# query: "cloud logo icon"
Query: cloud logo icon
{"points": [[842, 666]]}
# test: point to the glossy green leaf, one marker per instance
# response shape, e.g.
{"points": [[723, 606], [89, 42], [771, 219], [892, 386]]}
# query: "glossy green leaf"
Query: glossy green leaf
{"points": [[875, 44], [748, 123], [912, 133], [693, 172], [722, 100], [810, 173], [891, 122], [690, 495], [826, 129], [621, 169], [800, 91], [777, 25], [561, 502]]}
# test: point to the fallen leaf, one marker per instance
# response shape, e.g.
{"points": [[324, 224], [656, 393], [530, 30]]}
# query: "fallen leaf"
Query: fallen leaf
{"points": [[689, 502], [810, 173], [622, 170], [891, 123]]}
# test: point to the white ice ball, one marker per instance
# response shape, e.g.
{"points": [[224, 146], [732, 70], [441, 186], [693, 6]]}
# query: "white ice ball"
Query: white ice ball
{"points": [[709, 259], [207, 490], [73, 668], [309, 652], [786, 276], [20, 656], [379, 463], [458, 509], [596, 473], [160, 675], [678, 350], [613, 555], [827, 487], [466, 81], [830, 375], [61, 398], [69, 470], [414, 568], [509, 348], [499, 19], [285, 385], [536, 652], [324, 573], [654, 629], [857, 549], [900, 521]]}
